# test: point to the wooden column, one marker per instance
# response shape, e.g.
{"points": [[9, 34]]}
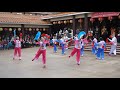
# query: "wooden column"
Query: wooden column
{"points": [[74, 25], [22, 28], [86, 22]]}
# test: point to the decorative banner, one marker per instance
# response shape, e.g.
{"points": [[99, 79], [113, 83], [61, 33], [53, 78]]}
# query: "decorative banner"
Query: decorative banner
{"points": [[30, 29], [71, 21], [19, 29], [1, 29], [10, 29]]}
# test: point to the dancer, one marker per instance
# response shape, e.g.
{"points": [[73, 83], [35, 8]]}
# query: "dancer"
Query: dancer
{"points": [[54, 40], [42, 50], [113, 43], [76, 50], [94, 47], [101, 48], [83, 42], [62, 43], [17, 48]]}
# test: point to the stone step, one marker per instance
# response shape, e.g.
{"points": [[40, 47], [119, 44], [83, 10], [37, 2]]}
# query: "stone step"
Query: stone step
{"points": [[89, 49]]}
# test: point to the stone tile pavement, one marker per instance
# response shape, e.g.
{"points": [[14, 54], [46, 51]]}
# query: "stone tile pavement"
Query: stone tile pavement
{"points": [[58, 66]]}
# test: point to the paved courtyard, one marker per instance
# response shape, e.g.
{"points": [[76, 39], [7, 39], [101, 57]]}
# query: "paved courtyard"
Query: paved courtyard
{"points": [[58, 66]]}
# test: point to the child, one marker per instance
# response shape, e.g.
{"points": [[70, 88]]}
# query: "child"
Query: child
{"points": [[101, 47], [17, 48], [54, 40], [42, 50], [62, 42], [82, 46], [94, 47], [76, 50]]}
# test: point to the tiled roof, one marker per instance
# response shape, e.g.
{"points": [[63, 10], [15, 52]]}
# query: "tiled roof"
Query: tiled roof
{"points": [[21, 19], [62, 14], [56, 15]]}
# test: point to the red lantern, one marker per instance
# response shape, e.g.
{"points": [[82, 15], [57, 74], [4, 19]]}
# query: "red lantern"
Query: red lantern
{"points": [[20, 35], [91, 19], [80, 20], [110, 18], [59, 22], [100, 18], [6, 29]]}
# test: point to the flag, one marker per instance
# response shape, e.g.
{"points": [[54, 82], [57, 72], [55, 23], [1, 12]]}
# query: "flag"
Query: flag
{"points": [[81, 34], [37, 35]]}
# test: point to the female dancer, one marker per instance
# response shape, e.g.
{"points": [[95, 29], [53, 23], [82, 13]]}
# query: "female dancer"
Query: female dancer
{"points": [[76, 50], [17, 48], [42, 50]]}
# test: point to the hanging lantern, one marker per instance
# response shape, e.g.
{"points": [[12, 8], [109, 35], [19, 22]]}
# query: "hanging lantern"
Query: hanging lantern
{"points": [[59, 22], [1, 29], [100, 18], [43, 29], [65, 22], [71, 21], [110, 18], [91, 19], [56, 22], [119, 16], [40, 29], [68, 21], [10, 29], [30, 29], [53, 22], [80, 20], [19, 29], [5, 28], [37, 29]]}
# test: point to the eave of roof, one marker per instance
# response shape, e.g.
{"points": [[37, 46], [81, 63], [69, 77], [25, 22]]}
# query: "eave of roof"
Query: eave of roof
{"points": [[22, 23], [63, 15]]}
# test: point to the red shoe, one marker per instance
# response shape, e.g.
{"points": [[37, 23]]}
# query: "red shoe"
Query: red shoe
{"points": [[44, 66], [69, 56], [78, 63]]}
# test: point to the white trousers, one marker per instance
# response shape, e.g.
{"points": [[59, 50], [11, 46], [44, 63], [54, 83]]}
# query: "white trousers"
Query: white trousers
{"points": [[113, 49]]}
